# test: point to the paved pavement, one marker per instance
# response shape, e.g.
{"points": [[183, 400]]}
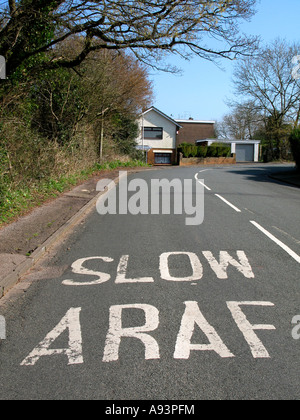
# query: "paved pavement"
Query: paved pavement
{"points": [[145, 307], [28, 238]]}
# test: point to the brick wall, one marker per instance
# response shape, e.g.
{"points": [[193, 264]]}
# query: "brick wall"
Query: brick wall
{"points": [[208, 161], [190, 132]]}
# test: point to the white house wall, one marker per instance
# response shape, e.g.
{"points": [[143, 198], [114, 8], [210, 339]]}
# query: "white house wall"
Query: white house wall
{"points": [[153, 119], [256, 152]]}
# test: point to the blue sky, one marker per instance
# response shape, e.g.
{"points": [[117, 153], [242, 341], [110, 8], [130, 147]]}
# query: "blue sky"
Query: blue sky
{"points": [[202, 88]]}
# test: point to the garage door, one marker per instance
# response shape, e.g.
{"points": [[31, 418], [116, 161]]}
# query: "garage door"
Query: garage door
{"points": [[245, 152], [163, 158]]}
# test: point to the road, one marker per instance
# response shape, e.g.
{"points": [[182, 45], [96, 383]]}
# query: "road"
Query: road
{"points": [[148, 307]]}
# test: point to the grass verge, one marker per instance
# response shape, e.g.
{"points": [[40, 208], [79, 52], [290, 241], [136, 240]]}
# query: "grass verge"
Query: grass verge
{"points": [[16, 202]]}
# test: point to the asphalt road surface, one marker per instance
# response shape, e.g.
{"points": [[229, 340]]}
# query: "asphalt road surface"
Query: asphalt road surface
{"points": [[166, 306]]}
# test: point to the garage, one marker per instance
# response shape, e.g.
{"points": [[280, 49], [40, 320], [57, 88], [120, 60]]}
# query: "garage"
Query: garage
{"points": [[245, 152], [163, 158]]}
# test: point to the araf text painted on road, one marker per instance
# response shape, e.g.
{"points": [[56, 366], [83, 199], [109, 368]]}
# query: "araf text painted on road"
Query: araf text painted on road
{"points": [[185, 343], [70, 322], [187, 197], [219, 266]]}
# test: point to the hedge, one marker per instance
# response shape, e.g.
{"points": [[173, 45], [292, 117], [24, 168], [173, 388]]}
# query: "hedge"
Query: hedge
{"points": [[215, 150]]}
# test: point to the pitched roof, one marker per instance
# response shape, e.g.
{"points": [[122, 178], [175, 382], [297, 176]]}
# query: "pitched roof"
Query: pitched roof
{"points": [[195, 122], [152, 108]]}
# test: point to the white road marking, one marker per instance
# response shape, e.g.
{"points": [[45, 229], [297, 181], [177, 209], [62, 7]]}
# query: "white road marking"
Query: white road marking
{"points": [[77, 268], [219, 265], [192, 317], [220, 268], [122, 270], [185, 342], [277, 241], [217, 195], [228, 203], [201, 182], [70, 322], [116, 332], [194, 261], [257, 348]]}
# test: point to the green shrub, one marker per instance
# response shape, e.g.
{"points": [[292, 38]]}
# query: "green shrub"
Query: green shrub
{"points": [[224, 151], [193, 151], [212, 151], [185, 149], [215, 150], [219, 150], [295, 146], [202, 151]]}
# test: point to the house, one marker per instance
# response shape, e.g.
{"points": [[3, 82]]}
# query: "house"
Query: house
{"points": [[160, 136], [193, 130], [158, 133], [245, 150]]}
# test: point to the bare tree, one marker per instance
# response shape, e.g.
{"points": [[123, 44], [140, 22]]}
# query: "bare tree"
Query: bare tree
{"points": [[149, 28], [242, 122], [267, 80]]}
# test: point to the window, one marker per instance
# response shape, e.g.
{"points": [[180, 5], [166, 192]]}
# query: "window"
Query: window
{"points": [[163, 158], [153, 133]]}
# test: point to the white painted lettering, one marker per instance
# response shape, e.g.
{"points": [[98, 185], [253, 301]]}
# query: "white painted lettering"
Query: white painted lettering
{"points": [[77, 268], [192, 317], [257, 348], [220, 268], [194, 261], [122, 270], [70, 322], [116, 332]]}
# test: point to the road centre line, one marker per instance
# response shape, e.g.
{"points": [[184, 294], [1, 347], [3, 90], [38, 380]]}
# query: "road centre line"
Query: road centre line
{"points": [[202, 183], [277, 241], [293, 254], [217, 195], [228, 203]]}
